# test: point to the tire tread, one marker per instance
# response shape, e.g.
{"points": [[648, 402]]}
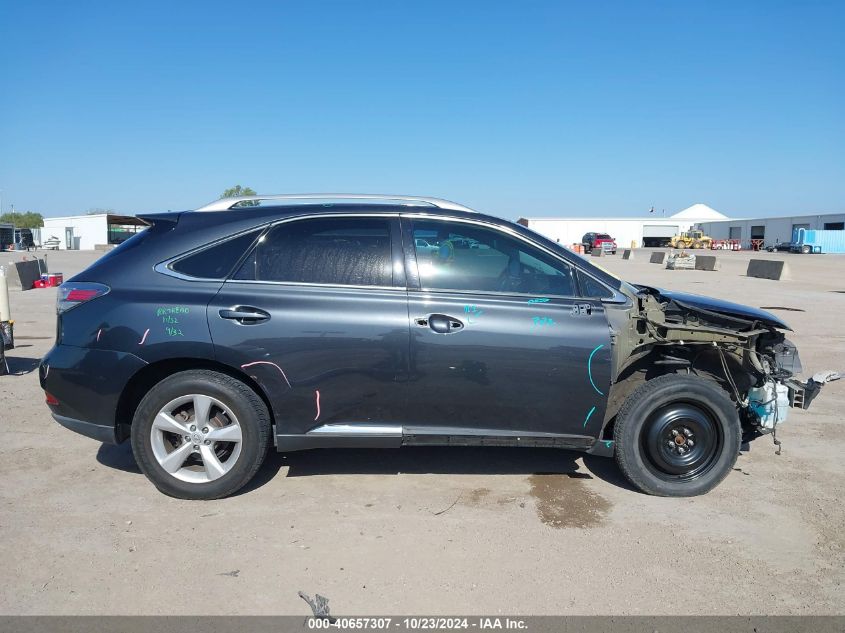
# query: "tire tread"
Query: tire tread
{"points": [[626, 418]]}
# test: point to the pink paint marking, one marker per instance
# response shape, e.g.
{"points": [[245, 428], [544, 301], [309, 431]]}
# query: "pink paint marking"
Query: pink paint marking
{"points": [[144, 338], [318, 405], [267, 362], [100, 331]]}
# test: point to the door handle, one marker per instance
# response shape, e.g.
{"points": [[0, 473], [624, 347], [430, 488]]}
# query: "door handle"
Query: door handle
{"points": [[441, 323], [245, 315]]}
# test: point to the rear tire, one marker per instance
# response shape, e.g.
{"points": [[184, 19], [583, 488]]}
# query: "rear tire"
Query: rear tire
{"points": [[677, 436], [200, 435], [806, 249]]}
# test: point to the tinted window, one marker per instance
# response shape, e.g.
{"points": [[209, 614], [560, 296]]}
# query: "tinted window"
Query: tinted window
{"points": [[467, 257], [593, 289], [217, 261], [344, 251]]}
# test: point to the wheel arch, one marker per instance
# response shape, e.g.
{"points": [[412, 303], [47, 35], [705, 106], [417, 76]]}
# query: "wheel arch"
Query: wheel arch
{"points": [[148, 376], [645, 368]]}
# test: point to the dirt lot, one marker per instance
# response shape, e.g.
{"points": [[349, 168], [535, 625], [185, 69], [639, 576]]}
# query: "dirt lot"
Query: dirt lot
{"points": [[471, 531]]}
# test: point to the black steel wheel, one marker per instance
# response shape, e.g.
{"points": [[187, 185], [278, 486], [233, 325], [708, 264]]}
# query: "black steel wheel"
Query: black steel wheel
{"points": [[680, 441], [677, 435]]}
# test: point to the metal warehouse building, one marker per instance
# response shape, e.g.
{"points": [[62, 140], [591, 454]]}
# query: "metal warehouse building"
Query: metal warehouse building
{"points": [[770, 230], [648, 231], [87, 232]]}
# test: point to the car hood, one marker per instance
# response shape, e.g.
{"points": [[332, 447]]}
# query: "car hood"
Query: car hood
{"points": [[720, 306]]}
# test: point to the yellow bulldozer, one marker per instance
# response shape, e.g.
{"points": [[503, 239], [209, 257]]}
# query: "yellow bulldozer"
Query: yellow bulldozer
{"points": [[691, 239]]}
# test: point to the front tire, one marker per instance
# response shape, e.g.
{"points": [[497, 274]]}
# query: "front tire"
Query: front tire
{"points": [[677, 436], [200, 435]]}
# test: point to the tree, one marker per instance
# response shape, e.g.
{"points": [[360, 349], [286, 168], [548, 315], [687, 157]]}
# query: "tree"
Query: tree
{"points": [[25, 220], [237, 190]]}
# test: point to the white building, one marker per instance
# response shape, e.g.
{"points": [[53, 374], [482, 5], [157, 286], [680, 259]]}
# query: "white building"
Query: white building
{"points": [[648, 231], [87, 232], [770, 230]]}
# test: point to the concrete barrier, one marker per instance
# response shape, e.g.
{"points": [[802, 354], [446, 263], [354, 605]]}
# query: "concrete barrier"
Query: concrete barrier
{"points": [[628, 254], [597, 252], [23, 274], [767, 269], [657, 257], [707, 262]]}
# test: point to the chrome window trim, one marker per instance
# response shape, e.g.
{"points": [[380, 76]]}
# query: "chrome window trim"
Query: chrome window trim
{"points": [[309, 284], [617, 297], [164, 267]]}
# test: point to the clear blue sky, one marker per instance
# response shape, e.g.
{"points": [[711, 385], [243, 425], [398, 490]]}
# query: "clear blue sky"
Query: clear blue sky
{"points": [[515, 108]]}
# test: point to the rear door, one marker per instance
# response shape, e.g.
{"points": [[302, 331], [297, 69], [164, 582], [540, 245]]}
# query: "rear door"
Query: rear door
{"points": [[502, 343], [317, 315]]}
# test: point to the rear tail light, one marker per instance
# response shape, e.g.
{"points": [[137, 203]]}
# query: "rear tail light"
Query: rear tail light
{"points": [[73, 294], [50, 398]]}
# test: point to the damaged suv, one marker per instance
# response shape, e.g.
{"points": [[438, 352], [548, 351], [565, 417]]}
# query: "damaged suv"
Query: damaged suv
{"points": [[315, 321]]}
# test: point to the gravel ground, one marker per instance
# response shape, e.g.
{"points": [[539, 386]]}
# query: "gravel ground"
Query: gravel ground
{"points": [[424, 531]]}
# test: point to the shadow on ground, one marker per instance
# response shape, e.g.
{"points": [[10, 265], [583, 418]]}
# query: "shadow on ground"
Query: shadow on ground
{"points": [[410, 460], [19, 366]]}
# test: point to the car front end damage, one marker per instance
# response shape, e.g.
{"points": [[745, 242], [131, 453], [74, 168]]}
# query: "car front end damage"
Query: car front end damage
{"points": [[741, 348]]}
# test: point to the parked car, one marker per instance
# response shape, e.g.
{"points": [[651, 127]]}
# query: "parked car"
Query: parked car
{"points": [[598, 240], [216, 333], [780, 247]]}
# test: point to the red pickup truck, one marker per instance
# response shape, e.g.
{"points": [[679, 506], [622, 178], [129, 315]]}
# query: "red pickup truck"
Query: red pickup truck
{"points": [[598, 240]]}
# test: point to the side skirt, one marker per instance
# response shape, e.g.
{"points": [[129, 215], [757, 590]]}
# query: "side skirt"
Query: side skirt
{"points": [[384, 436]]}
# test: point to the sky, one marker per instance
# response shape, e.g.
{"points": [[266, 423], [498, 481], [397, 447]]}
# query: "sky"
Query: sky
{"points": [[512, 108]]}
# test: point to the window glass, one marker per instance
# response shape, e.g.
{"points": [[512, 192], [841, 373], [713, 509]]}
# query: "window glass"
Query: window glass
{"points": [[593, 289], [343, 251], [217, 261], [456, 256]]}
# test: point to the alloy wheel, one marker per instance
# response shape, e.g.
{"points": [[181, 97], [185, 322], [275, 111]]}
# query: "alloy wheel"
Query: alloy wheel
{"points": [[196, 438]]}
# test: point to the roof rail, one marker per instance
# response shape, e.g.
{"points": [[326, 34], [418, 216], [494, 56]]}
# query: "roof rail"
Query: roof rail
{"points": [[224, 204]]}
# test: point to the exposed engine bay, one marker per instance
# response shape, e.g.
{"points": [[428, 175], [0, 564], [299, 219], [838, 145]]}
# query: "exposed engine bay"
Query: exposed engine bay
{"points": [[742, 348]]}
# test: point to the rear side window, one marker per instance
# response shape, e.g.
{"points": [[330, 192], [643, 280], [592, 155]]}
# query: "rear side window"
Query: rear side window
{"points": [[216, 262], [337, 251]]}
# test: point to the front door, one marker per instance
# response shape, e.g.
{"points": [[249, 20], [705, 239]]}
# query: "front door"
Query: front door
{"points": [[501, 343], [317, 316]]}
